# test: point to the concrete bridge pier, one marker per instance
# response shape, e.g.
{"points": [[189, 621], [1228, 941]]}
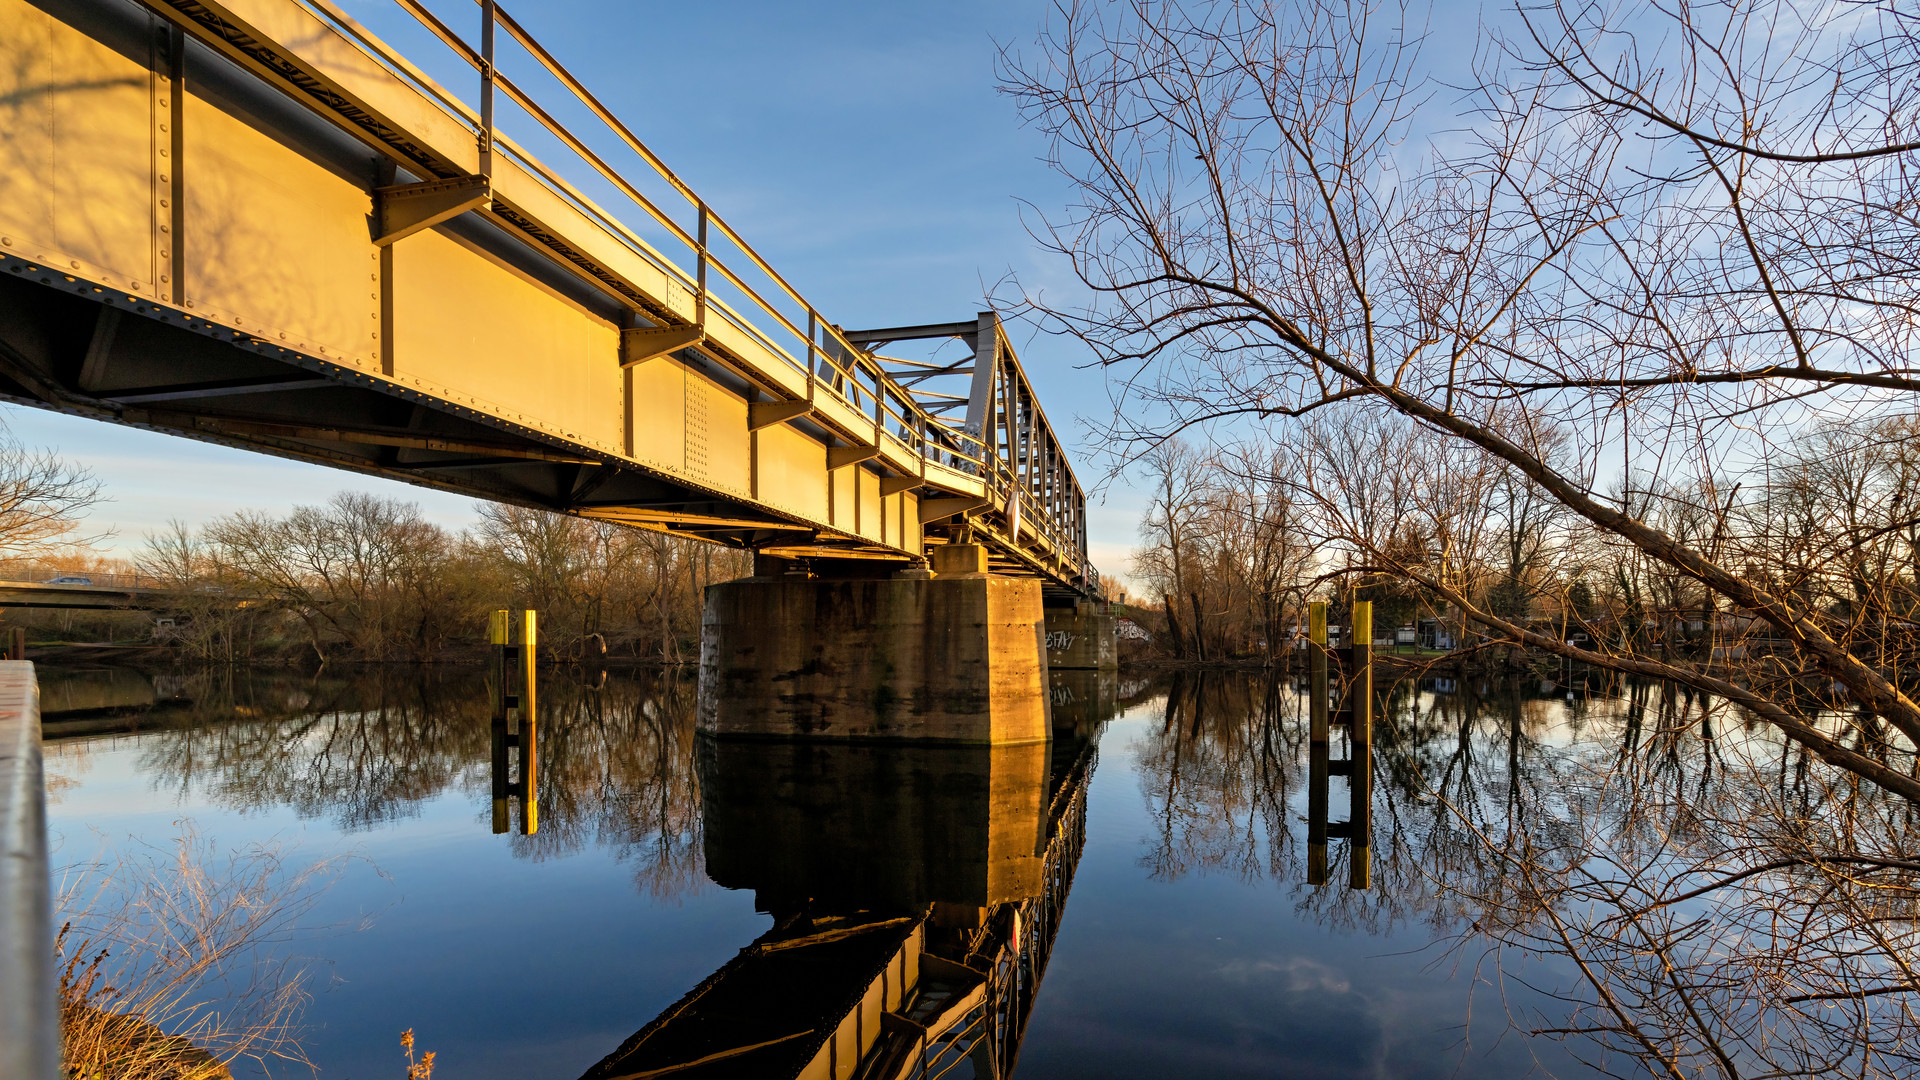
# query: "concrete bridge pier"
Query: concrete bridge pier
{"points": [[1082, 636], [953, 656]]}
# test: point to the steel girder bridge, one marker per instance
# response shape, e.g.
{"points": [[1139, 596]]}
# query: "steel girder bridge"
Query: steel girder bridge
{"points": [[253, 222]]}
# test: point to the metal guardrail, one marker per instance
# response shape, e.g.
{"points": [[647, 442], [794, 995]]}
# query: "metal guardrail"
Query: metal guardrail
{"points": [[841, 369], [41, 575], [29, 1014]]}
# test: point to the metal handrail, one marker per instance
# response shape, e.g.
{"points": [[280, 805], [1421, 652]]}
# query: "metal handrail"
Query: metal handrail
{"points": [[845, 372], [608, 172]]}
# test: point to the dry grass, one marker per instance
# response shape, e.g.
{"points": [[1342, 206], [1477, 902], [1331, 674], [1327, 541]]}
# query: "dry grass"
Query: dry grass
{"points": [[169, 965], [416, 1070]]}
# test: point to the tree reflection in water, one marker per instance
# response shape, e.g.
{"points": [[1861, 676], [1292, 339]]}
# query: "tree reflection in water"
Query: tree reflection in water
{"points": [[366, 747], [1726, 905], [1730, 906]]}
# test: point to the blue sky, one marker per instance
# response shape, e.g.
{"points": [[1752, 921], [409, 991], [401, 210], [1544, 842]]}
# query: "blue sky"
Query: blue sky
{"points": [[861, 147]]}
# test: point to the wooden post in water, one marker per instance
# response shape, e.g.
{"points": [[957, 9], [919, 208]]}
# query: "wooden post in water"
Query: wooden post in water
{"points": [[1317, 668], [1360, 756], [518, 702], [1317, 743], [529, 744], [497, 630]]}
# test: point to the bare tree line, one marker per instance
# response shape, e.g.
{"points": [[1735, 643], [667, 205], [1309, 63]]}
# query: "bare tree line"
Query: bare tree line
{"points": [[1633, 264], [1224, 552], [366, 577], [1714, 902]]}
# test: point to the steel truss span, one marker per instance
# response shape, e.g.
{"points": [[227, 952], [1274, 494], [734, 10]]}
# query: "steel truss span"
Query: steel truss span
{"points": [[256, 223]]}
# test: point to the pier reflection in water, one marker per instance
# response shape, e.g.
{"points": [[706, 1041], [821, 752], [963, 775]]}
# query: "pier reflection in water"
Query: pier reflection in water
{"points": [[909, 900], [914, 892]]}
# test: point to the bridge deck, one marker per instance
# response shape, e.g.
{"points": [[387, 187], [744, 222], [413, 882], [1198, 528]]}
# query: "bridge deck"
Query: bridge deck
{"points": [[254, 223]]}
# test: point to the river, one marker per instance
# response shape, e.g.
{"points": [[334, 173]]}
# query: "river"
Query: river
{"points": [[1182, 934]]}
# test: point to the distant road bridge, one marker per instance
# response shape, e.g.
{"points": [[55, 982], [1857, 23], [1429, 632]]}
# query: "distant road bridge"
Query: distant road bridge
{"points": [[254, 223], [83, 596]]}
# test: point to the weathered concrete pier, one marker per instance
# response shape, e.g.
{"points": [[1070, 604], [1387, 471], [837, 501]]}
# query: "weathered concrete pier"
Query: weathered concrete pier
{"points": [[955, 655], [1083, 635]]}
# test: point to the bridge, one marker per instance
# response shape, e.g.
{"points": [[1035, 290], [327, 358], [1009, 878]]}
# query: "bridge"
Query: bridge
{"points": [[86, 591], [255, 223]]}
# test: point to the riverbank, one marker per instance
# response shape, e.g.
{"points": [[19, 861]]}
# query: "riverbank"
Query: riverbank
{"points": [[1500, 661], [150, 657]]}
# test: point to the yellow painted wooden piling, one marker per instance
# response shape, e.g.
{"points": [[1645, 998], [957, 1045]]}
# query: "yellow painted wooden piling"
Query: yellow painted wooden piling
{"points": [[522, 707], [1317, 670], [529, 713]]}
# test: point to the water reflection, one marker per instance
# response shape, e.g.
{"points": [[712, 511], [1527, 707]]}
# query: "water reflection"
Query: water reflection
{"points": [[913, 893], [363, 749], [855, 826], [1671, 851], [914, 890], [1249, 775]]}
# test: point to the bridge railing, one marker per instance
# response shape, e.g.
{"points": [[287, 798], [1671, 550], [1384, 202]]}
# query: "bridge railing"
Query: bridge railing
{"points": [[841, 369], [729, 280]]}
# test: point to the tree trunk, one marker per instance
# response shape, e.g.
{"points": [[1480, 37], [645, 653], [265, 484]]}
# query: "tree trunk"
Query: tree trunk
{"points": [[1173, 626], [1199, 640]]}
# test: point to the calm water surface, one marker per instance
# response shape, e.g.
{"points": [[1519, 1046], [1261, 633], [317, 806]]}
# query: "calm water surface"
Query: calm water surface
{"points": [[1191, 942]]}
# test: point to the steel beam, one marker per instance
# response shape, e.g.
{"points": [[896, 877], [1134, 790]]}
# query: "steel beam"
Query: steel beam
{"points": [[986, 365], [653, 342], [765, 414], [911, 333], [401, 210], [932, 510], [93, 367], [368, 436], [222, 388], [839, 457]]}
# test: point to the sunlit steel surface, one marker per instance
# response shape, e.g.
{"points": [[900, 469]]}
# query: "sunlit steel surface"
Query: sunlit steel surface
{"points": [[255, 223]]}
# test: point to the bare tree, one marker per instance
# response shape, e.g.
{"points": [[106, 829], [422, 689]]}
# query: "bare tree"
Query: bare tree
{"points": [[1644, 243], [1170, 528], [42, 499]]}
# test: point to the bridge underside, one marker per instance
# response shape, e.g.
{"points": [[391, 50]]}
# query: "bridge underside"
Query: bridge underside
{"points": [[112, 359], [237, 223]]}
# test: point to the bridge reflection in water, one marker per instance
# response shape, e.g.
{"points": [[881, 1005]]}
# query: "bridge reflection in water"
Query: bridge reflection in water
{"points": [[915, 893]]}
